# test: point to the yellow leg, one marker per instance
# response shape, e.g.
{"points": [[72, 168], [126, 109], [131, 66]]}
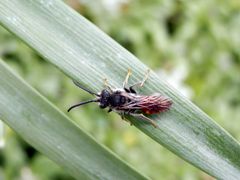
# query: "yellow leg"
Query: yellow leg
{"points": [[141, 116], [140, 84], [107, 85], [127, 77], [145, 78]]}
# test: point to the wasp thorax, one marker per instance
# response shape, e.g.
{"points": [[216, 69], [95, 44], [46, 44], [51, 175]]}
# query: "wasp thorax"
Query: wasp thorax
{"points": [[117, 100], [104, 98]]}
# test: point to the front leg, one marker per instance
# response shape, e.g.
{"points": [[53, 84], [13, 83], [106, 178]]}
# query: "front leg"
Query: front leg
{"points": [[125, 82]]}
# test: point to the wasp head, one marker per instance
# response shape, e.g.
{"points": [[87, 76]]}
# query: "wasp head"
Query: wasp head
{"points": [[104, 98]]}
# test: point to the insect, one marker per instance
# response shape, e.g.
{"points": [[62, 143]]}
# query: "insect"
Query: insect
{"points": [[126, 101]]}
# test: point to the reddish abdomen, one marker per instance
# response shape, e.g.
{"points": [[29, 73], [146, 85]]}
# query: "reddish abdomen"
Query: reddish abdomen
{"points": [[156, 105]]}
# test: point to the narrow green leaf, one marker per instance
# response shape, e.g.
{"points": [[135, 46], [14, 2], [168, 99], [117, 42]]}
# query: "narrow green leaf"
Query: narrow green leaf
{"points": [[86, 54], [53, 134]]}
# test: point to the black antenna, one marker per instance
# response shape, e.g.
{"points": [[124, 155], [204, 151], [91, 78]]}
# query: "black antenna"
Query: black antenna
{"points": [[85, 89], [82, 103]]}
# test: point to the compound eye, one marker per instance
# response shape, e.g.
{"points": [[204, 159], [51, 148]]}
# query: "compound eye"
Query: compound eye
{"points": [[105, 94]]}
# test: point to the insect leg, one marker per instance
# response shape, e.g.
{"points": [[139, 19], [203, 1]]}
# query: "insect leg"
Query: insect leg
{"points": [[145, 78], [106, 84], [126, 79], [127, 90], [140, 84], [131, 88], [123, 118], [141, 116]]}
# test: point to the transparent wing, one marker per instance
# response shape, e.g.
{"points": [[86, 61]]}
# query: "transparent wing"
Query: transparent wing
{"points": [[155, 103]]}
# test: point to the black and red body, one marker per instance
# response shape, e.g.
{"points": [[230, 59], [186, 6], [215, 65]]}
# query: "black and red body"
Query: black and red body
{"points": [[126, 101], [129, 102]]}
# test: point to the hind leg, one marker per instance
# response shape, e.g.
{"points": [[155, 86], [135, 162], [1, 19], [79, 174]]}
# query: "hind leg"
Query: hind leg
{"points": [[141, 116]]}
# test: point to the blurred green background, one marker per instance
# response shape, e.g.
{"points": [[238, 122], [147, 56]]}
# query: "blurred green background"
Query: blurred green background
{"points": [[194, 45]]}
